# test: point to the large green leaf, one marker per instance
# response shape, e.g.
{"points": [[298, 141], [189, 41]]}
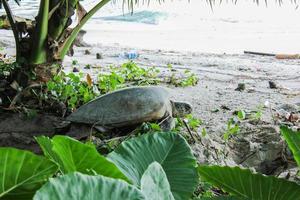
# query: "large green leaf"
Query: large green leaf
{"points": [[218, 198], [168, 149], [76, 186], [22, 173], [293, 140], [74, 156], [154, 183], [47, 147], [244, 184]]}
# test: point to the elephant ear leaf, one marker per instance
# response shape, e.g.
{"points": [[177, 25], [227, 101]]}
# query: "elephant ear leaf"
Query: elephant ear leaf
{"points": [[77, 186], [22, 173], [293, 140], [154, 183], [247, 185], [170, 150], [73, 156]]}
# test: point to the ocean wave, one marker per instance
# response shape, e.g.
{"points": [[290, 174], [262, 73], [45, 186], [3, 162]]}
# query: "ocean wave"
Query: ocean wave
{"points": [[146, 17]]}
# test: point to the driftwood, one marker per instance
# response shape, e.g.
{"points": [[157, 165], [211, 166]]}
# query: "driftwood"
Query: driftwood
{"points": [[259, 53], [278, 56]]}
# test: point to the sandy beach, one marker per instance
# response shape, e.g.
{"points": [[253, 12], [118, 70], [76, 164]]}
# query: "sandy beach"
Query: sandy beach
{"points": [[214, 98]]}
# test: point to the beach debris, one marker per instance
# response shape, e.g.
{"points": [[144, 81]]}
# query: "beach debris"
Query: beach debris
{"points": [[241, 87], [89, 80], [287, 56], [224, 107], [87, 52], [273, 85], [259, 53], [99, 56], [75, 69], [277, 56], [131, 107], [288, 114], [130, 55]]}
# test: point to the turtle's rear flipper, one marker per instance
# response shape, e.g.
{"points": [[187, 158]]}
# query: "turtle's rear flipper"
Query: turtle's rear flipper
{"points": [[167, 124]]}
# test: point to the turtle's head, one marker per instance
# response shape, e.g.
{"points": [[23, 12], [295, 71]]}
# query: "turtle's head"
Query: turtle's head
{"points": [[180, 109]]}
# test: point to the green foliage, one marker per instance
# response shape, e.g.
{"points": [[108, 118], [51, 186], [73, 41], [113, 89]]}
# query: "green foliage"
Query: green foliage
{"points": [[110, 82], [75, 62], [203, 132], [293, 140], [175, 156], [232, 128], [204, 190], [70, 89], [188, 79], [241, 114], [76, 186], [160, 166], [219, 198], [6, 68], [191, 121], [257, 114], [154, 183], [74, 156], [245, 184], [155, 127], [22, 173], [127, 73], [73, 90]]}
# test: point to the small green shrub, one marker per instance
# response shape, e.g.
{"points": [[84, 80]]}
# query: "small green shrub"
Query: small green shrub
{"points": [[70, 89], [233, 128], [7, 68]]}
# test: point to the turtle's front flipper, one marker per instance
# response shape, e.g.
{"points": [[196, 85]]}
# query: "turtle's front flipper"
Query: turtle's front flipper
{"points": [[167, 124]]}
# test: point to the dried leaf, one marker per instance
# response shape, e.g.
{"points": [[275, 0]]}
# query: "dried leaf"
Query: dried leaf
{"points": [[89, 80]]}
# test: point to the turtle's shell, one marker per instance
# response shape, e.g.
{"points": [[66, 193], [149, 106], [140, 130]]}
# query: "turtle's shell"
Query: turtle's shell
{"points": [[124, 107]]}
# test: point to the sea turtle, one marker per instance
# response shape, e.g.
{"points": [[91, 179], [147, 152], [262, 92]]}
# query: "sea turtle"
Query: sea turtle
{"points": [[131, 106]]}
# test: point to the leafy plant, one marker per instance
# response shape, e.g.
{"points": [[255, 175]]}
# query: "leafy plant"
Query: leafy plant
{"points": [[110, 82], [159, 165], [293, 140], [192, 122], [247, 185], [70, 89], [232, 128], [154, 183], [257, 114], [174, 155], [6, 68], [76, 186], [128, 72], [22, 173], [188, 78], [74, 156], [47, 39], [241, 114]]}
